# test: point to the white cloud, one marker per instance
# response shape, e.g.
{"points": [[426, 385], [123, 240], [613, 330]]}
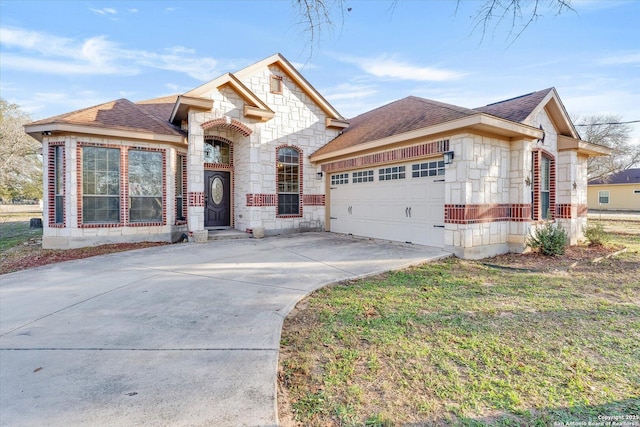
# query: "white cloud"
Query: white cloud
{"points": [[388, 67], [348, 91], [49, 54], [104, 11], [622, 59]]}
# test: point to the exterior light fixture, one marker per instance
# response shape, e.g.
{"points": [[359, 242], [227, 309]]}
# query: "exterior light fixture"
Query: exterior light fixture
{"points": [[448, 157], [46, 133], [319, 175], [527, 181]]}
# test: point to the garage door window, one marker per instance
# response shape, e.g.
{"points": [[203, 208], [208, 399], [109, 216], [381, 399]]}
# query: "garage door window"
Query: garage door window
{"points": [[363, 176], [421, 170], [339, 178], [388, 174]]}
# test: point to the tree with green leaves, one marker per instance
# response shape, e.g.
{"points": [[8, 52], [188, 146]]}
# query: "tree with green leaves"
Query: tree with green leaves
{"points": [[20, 159], [608, 130]]}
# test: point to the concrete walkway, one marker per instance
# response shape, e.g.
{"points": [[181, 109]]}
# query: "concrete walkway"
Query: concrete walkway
{"points": [[175, 335]]}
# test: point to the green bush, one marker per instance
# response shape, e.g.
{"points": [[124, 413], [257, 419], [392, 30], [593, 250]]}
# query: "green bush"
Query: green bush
{"points": [[595, 234], [549, 239]]}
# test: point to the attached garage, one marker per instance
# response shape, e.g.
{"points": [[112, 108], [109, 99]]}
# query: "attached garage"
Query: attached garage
{"points": [[403, 202]]}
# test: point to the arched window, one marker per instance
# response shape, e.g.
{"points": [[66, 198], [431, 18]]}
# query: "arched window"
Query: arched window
{"points": [[288, 175]]}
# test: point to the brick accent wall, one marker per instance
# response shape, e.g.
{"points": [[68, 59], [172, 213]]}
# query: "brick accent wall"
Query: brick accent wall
{"points": [[313, 200], [482, 213], [259, 200], [196, 199], [397, 155], [569, 211], [228, 123]]}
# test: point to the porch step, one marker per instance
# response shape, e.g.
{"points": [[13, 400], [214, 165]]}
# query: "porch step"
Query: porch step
{"points": [[226, 234]]}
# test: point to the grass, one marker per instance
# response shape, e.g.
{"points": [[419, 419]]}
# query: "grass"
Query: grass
{"points": [[15, 231], [460, 343]]}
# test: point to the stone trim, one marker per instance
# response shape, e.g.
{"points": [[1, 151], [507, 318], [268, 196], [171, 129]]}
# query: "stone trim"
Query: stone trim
{"points": [[226, 122], [482, 213], [391, 156]]}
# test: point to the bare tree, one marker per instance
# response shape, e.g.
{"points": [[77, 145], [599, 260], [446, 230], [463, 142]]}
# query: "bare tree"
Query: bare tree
{"points": [[610, 131], [20, 162], [518, 14]]}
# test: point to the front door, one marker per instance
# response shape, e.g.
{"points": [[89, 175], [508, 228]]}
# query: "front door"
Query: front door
{"points": [[217, 211]]}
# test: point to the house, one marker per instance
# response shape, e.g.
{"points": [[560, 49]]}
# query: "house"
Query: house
{"points": [[617, 192], [261, 149]]}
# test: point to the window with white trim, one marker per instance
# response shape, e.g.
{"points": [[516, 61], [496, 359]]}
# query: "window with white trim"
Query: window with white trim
{"points": [[339, 178], [433, 168], [288, 181], [603, 197], [145, 186], [362, 176], [391, 173], [100, 185]]}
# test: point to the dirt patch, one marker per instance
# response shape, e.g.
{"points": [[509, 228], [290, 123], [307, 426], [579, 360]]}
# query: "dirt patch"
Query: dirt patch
{"points": [[30, 254], [574, 257]]}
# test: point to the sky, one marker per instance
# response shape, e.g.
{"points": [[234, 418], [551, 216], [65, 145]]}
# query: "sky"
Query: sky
{"points": [[60, 56]]}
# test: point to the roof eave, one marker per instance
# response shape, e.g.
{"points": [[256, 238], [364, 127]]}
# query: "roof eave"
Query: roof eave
{"points": [[39, 131], [589, 149], [185, 103], [481, 122]]}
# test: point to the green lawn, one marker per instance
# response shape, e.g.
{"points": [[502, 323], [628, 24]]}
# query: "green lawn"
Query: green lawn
{"points": [[459, 343], [15, 231]]}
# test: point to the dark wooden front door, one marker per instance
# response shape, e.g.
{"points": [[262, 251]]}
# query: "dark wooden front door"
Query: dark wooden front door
{"points": [[217, 210]]}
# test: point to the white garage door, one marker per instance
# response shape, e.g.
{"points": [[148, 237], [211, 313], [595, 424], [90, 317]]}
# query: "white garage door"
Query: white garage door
{"points": [[403, 203]]}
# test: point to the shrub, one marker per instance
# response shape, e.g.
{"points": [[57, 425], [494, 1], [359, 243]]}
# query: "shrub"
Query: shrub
{"points": [[595, 234], [549, 239]]}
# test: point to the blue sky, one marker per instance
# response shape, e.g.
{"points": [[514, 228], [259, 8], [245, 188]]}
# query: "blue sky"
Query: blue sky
{"points": [[59, 56]]}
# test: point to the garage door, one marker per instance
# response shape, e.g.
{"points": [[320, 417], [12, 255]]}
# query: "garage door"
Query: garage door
{"points": [[403, 203]]}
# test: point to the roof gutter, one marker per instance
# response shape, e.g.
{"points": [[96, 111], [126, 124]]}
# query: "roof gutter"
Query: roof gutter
{"points": [[480, 122], [39, 131]]}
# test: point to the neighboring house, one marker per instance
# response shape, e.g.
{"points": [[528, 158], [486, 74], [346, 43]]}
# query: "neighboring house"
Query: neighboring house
{"points": [[261, 148], [619, 191]]}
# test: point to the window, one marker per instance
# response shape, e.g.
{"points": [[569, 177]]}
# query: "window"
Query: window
{"points": [[276, 84], [545, 187], [339, 178], [58, 184], [180, 184], [395, 172], [427, 169], [288, 181], [363, 176], [100, 185], [216, 152], [145, 186], [603, 197]]}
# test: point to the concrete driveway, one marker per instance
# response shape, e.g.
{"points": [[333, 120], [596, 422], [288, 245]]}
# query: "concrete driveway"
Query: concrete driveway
{"points": [[173, 335]]}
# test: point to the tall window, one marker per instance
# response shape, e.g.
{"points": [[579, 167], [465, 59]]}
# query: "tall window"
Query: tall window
{"points": [[545, 187], [145, 186], [100, 185], [180, 170], [58, 184], [288, 181]]}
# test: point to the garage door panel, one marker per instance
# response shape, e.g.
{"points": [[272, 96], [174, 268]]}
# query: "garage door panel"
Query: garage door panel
{"points": [[405, 210]]}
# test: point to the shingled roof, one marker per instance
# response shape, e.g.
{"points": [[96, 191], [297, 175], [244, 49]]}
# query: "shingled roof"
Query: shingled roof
{"points": [[161, 107], [119, 114], [515, 109], [628, 176], [404, 115]]}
